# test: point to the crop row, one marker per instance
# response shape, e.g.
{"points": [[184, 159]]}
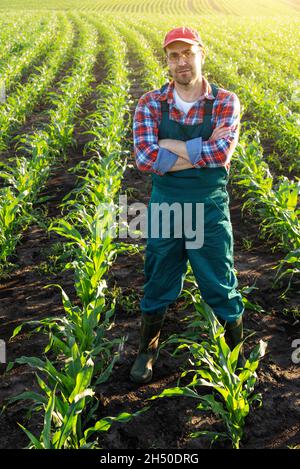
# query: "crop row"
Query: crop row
{"points": [[22, 100], [86, 357], [27, 175]]}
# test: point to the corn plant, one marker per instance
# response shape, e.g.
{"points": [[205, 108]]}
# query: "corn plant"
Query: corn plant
{"points": [[67, 402], [81, 333], [21, 102], [214, 365], [93, 249], [86, 326], [275, 203], [48, 144], [12, 217], [29, 57]]}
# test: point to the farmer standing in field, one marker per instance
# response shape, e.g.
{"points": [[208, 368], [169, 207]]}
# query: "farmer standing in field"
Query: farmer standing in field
{"points": [[184, 135]]}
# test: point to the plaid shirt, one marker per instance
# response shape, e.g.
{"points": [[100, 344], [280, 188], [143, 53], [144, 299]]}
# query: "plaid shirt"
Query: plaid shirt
{"points": [[215, 153]]}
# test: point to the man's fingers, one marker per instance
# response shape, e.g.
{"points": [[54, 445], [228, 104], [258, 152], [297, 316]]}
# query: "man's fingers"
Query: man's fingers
{"points": [[223, 128], [222, 134], [217, 135], [219, 132]]}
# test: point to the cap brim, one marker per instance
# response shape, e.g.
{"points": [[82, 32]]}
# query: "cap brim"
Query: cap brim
{"points": [[183, 39]]}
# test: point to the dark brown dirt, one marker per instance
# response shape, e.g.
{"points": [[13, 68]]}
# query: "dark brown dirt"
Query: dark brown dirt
{"points": [[168, 422]]}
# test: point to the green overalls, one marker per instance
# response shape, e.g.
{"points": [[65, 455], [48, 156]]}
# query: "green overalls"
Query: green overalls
{"points": [[166, 258]]}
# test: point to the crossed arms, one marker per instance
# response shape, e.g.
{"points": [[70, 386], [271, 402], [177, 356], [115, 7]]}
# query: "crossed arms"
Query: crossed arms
{"points": [[161, 156], [179, 148]]}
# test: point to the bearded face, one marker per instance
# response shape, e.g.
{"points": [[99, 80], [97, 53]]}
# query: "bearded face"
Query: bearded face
{"points": [[185, 62]]}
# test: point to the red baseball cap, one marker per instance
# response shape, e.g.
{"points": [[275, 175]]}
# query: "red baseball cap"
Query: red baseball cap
{"points": [[183, 34]]}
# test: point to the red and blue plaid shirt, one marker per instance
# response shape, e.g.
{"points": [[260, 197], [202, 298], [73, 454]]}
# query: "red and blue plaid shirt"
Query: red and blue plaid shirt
{"points": [[214, 153]]}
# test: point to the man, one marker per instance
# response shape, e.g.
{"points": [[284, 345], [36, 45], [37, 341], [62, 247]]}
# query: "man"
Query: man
{"points": [[184, 135]]}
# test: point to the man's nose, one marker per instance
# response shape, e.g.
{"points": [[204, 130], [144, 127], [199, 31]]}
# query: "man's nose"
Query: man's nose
{"points": [[182, 60]]}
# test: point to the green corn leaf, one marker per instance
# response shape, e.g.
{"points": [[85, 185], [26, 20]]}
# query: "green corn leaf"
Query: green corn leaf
{"points": [[234, 355], [83, 379], [68, 231], [38, 398], [214, 436], [17, 330], [46, 433], [104, 424], [68, 423], [176, 391], [210, 403], [33, 439]]}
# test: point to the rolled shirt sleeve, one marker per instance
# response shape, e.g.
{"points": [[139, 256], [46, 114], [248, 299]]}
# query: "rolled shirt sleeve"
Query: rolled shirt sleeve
{"points": [[194, 149], [216, 153], [165, 161], [148, 155]]}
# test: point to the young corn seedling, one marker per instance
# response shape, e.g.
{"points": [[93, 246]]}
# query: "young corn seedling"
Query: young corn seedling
{"points": [[276, 204], [68, 403], [94, 250], [12, 217], [214, 365], [84, 328], [65, 394]]}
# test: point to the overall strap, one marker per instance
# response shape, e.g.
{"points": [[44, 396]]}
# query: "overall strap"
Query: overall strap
{"points": [[164, 106], [207, 117], [209, 102]]}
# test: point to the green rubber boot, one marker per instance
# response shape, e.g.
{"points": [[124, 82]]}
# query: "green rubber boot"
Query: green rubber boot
{"points": [[141, 371], [233, 336]]}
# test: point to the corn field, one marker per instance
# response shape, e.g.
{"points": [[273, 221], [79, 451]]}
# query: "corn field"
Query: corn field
{"points": [[71, 74]]}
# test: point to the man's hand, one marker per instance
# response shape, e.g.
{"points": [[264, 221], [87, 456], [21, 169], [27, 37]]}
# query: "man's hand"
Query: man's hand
{"points": [[179, 147], [180, 165], [175, 146], [164, 142], [219, 132]]}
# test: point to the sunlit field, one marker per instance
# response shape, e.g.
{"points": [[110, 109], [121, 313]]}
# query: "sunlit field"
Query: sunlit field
{"points": [[71, 74]]}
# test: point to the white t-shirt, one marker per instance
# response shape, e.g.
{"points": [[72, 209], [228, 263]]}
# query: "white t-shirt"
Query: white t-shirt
{"points": [[184, 106]]}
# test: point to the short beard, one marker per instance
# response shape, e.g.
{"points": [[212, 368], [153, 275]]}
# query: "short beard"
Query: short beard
{"points": [[184, 81]]}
